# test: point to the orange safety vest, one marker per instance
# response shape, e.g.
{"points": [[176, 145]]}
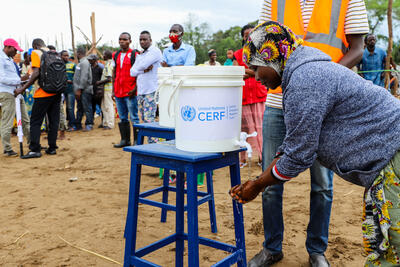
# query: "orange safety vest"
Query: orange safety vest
{"points": [[324, 34]]}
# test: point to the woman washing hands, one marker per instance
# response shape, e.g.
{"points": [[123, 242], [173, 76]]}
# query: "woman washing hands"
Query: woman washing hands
{"points": [[330, 113]]}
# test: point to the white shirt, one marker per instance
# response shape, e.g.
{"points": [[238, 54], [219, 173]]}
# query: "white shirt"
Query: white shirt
{"points": [[207, 63], [9, 79], [147, 83], [122, 59]]}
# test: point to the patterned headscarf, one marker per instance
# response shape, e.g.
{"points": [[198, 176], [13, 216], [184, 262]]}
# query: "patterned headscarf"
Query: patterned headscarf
{"points": [[270, 44]]}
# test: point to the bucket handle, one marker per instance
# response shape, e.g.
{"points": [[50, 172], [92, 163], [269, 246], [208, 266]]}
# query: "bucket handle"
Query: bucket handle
{"points": [[156, 96], [172, 96]]}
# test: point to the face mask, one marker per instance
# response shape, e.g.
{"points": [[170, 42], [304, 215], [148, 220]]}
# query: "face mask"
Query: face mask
{"points": [[175, 37]]}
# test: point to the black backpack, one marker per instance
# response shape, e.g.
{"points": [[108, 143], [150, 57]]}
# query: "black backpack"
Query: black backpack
{"points": [[53, 75], [133, 56]]}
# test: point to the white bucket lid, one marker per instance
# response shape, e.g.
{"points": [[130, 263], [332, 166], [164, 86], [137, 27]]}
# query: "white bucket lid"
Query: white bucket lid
{"points": [[208, 71], [164, 72]]}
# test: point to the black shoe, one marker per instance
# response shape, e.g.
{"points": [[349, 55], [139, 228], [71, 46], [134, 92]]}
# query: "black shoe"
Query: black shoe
{"points": [[264, 258], [101, 126], [319, 260], [135, 135], [51, 151], [31, 155], [125, 132], [10, 153]]}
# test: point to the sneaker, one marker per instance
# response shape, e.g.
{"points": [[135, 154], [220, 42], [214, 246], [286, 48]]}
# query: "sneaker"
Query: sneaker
{"points": [[172, 179], [10, 153], [31, 155], [106, 128], [243, 164], [50, 151], [72, 129], [88, 128]]}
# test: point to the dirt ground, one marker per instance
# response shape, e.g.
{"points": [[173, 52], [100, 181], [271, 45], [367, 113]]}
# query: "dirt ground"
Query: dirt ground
{"points": [[39, 206]]}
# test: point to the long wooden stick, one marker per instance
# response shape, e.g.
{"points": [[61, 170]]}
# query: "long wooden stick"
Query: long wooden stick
{"points": [[72, 27], [91, 252], [390, 45]]}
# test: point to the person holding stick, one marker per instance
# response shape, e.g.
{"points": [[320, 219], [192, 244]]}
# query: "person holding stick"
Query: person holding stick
{"points": [[9, 81]]}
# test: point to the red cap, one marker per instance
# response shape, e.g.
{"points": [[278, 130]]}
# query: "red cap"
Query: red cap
{"points": [[13, 43]]}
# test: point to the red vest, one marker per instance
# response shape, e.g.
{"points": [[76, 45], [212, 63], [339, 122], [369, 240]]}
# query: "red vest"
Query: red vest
{"points": [[124, 83], [253, 91]]}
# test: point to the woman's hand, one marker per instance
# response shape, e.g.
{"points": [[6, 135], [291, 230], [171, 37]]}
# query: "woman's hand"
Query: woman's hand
{"points": [[246, 192]]}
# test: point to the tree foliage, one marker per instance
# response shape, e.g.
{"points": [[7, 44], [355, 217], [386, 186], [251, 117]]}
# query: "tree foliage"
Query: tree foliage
{"points": [[377, 12]]}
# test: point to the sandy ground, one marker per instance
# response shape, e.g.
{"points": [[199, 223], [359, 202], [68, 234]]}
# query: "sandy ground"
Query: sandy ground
{"points": [[38, 205]]}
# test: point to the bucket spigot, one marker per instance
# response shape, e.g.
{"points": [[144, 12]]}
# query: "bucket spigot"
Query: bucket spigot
{"points": [[243, 143]]}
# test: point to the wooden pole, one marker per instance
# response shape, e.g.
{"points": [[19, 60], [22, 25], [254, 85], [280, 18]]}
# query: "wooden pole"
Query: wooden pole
{"points": [[390, 45], [93, 49], [72, 28], [56, 43]]}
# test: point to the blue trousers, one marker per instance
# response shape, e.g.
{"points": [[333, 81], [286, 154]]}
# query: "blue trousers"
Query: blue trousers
{"points": [[85, 107], [70, 99], [125, 106], [274, 131]]}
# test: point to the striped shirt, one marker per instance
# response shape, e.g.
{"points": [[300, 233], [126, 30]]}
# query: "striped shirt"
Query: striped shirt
{"points": [[356, 22]]}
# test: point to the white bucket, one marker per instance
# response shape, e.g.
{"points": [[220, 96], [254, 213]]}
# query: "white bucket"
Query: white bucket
{"points": [[208, 108], [164, 92]]}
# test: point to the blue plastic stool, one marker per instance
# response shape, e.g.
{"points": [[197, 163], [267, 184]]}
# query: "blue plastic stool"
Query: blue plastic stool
{"points": [[153, 129], [165, 155]]}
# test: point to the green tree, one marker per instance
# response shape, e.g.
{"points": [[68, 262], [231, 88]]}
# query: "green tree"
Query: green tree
{"points": [[396, 52], [221, 41], [377, 10], [197, 34]]}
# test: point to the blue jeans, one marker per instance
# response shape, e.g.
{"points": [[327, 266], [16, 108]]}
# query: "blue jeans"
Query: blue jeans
{"points": [[274, 131], [126, 106], [86, 104], [70, 99]]}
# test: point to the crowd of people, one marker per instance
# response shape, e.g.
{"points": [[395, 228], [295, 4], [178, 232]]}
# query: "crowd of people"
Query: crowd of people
{"points": [[127, 77], [309, 112]]}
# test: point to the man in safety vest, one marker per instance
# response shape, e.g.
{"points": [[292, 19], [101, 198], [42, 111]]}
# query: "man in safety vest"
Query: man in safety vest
{"points": [[336, 27]]}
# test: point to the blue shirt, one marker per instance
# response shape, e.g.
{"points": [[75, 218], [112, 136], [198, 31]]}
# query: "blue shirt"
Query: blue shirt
{"points": [[147, 83], [185, 55], [228, 62], [374, 61], [9, 77]]}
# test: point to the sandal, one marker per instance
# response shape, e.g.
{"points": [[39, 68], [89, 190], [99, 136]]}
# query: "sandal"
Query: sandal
{"points": [[172, 180]]}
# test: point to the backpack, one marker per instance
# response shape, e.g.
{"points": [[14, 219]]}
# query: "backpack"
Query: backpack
{"points": [[53, 75], [133, 58]]}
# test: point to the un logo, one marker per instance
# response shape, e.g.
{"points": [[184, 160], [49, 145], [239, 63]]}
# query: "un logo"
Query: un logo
{"points": [[188, 113]]}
